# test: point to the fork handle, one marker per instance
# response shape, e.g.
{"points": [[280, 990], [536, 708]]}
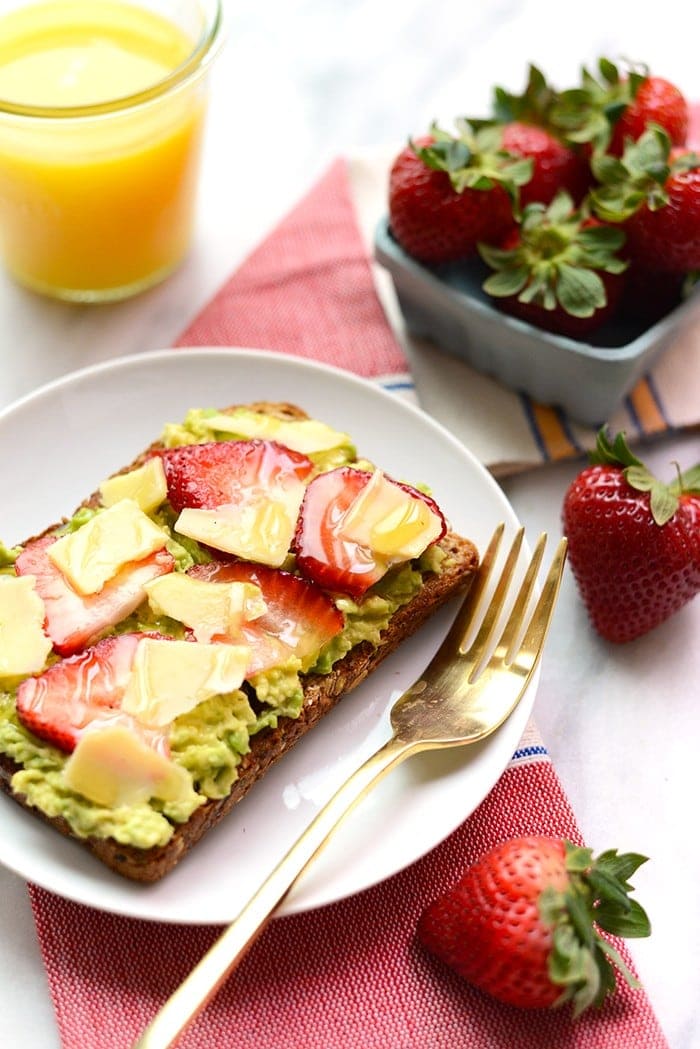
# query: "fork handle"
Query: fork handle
{"points": [[206, 978]]}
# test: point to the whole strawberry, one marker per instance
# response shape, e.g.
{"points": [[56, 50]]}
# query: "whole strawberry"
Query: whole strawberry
{"points": [[654, 192], [523, 922], [558, 269], [446, 193], [634, 543]]}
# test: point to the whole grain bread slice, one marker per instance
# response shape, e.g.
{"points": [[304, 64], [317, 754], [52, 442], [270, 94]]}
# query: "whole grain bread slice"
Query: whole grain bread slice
{"points": [[321, 693]]}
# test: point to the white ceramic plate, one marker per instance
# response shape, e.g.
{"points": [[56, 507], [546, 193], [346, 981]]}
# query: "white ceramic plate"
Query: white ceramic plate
{"points": [[64, 439]]}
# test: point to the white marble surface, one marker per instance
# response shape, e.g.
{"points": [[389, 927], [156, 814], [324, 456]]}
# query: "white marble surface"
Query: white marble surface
{"points": [[298, 83]]}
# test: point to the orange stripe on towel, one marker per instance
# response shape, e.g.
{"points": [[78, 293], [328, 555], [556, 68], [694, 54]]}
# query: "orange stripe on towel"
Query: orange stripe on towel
{"points": [[646, 408], [553, 435]]}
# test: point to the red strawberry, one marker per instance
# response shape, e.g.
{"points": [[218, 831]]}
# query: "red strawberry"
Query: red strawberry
{"points": [[74, 621], [558, 270], [522, 923], [634, 543], [213, 474], [62, 701], [298, 614], [556, 165], [447, 193], [322, 553], [325, 553]]}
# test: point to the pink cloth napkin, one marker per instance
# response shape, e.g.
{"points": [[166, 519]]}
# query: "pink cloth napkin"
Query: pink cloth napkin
{"points": [[350, 975], [307, 290]]}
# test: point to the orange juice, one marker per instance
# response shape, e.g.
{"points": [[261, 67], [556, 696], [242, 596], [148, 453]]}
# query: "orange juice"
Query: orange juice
{"points": [[101, 113]]}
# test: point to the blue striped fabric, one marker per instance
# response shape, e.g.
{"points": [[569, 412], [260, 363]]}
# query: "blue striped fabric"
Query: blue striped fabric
{"points": [[526, 755], [400, 383]]}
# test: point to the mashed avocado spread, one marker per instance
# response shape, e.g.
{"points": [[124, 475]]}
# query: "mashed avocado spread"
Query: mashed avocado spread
{"points": [[8, 555], [210, 741]]}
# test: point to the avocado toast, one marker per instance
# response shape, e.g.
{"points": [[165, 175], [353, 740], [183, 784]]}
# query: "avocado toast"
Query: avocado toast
{"points": [[218, 596]]}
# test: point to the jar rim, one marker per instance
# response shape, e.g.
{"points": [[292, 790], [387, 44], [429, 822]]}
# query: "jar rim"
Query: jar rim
{"points": [[192, 67]]}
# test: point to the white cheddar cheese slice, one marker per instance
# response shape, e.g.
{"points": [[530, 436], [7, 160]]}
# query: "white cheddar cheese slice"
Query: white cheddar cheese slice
{"points": [[146, 485], [113, 766], [301, 435], [207, 608], [260, 528], [170, 678], [391, 522], [23, 644], [94, 554]]}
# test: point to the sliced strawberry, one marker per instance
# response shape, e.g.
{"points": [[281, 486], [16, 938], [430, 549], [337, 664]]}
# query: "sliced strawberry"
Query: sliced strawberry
{"points": [[299, 619], [60, 703], [74, 621], [210, 475], [322, 553], [325, 554]]}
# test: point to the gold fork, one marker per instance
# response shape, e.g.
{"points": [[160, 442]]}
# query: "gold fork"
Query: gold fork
{"points": [[470, 687]]}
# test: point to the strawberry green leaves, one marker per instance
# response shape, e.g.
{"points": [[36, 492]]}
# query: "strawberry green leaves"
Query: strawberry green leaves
{"points": [[688, 483], [473, 159], [639, 178], [557, 260], [582, 114], [580, 291], [532, 106], [612, 453], [662, 500], [608, 878], [588, 113], [597, 896]]}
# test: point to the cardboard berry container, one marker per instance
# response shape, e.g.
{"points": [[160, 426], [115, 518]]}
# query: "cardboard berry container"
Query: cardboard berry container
{"points": [[446, 305]]}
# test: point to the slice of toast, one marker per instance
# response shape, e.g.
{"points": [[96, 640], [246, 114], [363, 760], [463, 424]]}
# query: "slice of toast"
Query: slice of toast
{"points": [[321, 693]]}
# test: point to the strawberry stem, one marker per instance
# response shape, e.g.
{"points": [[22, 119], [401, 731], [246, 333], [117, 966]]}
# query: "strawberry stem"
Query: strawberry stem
{"points": [[557, 261], [473, 159]]}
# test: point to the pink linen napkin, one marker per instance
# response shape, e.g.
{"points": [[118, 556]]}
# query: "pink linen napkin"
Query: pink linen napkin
{"points": [[350, 975]]}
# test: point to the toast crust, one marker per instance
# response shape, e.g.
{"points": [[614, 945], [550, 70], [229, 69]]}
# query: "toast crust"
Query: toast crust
{"points": [[321, 693]]}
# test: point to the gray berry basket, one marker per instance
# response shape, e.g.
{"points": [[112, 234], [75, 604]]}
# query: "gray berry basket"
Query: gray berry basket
{"points": [[447, 306]]}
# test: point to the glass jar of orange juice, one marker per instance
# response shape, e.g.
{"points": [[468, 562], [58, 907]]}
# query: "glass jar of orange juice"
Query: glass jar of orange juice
{"points": [[102, 105]]}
